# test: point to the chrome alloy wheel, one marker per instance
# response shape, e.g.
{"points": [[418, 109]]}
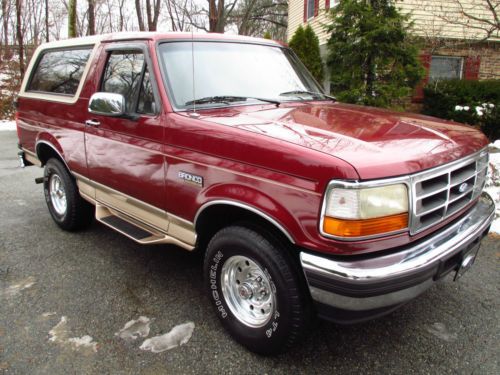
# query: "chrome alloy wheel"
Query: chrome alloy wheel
{"points": [[247, 291], [57, 194]]}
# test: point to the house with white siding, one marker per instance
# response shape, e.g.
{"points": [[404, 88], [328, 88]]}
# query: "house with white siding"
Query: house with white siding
{"points": [[459, 36]]}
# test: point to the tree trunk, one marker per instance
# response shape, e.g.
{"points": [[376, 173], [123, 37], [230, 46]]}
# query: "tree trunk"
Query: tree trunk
{"points": [[72, 19], [91, 8], [370, 76], [149, 17], [121, 14], [47, 37], [139, 15], [19, 34], [212, 16], [219, 28], [5, 6], [156, 14]]}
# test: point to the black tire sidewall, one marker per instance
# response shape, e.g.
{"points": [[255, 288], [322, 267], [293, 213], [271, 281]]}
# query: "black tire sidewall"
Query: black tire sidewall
{"points": [[51, 169], [273, 336]]}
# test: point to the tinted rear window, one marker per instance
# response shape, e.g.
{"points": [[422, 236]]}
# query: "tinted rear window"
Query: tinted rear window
{"points": [[60, 71]]}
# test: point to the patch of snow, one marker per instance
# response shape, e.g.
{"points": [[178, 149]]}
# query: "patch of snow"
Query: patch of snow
{"points": [[179, 335], [14, 289], [7, 125], [135, 329], [495, 144], [60, 331], [84, 342], [59, 335], [440, 331], [493, 183]]}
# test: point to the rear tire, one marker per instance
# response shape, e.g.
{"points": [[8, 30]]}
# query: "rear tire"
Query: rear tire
{"points": [[255, 290], [68, 209]]}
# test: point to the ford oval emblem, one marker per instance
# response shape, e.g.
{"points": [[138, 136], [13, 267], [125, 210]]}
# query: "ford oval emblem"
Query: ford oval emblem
{"points": [[462, 188]]}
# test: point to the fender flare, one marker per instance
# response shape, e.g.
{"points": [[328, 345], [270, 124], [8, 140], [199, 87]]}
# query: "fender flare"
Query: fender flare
{"points": [[51, 142], [221, 195]]}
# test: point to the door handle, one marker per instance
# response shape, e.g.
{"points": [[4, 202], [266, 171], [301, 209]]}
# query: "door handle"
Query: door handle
{"points": [[93, 123]]}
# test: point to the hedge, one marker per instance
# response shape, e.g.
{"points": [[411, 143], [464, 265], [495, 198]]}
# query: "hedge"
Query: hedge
{"points": [[470, 102]]}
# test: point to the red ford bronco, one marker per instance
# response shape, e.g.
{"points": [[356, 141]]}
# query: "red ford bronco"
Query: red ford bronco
{"points": [[302, 205]]}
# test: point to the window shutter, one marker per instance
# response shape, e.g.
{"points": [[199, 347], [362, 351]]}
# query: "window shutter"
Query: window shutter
{"points": [[327, 4], [418, 95], [316, 7], [471, 67], [305, 10]]}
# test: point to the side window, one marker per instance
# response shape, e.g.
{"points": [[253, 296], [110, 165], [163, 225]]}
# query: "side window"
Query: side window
{"points": [[60, 71], [123, 75]]}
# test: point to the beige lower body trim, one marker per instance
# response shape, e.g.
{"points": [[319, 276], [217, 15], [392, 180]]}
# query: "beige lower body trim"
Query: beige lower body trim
{"points": [[32, 158], [166, 227], [179, 231]]}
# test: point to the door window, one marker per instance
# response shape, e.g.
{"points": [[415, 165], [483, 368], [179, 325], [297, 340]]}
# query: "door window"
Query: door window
{"points": [[127, 74]]}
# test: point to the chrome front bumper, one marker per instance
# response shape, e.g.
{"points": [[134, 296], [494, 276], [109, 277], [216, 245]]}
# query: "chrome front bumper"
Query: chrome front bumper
{"points": [[349, 289]]}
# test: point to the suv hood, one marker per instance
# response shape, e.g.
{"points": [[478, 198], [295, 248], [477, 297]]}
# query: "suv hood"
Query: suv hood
{"points": [[377, 143]]}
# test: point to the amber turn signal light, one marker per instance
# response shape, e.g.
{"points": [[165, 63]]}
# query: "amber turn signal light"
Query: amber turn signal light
{"points": [[363, 228]]}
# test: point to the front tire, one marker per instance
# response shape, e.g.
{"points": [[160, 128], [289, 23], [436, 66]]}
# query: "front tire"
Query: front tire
{"points": [[68, 209], [256, 290]]}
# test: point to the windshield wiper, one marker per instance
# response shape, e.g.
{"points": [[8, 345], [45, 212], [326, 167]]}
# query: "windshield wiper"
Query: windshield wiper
{"points": [[312, 93], [226, 99]]}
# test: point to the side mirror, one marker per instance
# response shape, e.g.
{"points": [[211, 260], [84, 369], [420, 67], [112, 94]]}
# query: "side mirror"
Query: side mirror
{"points": [[107, 104]]}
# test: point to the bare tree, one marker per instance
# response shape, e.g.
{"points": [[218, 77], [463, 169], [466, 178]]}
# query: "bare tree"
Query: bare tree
{"points": [[6, 10], [91, 16], [138, 9], [177, 14], [479, 15], [19, 35], [72, 19], [152, 8], [218, 14], [152, 12], [47, 37], [255, 17]]}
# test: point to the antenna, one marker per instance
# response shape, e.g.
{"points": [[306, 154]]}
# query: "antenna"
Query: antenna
{"points": [[193, 114]]}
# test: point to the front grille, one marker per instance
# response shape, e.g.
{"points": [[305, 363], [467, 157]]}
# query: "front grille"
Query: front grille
{"points": [[440, 192]]}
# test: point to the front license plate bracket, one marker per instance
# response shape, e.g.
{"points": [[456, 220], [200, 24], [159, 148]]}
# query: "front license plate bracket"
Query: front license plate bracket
{"points": [[468, 260]]}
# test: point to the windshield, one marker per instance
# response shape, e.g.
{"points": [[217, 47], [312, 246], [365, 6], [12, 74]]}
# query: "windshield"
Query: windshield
{"points": [[242, 72]]}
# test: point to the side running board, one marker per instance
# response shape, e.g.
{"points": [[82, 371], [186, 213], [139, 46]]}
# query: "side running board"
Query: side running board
{"points": [[139, 232]]}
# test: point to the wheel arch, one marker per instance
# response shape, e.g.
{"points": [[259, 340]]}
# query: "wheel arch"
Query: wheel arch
{"points": [[46, 149], [217, 214]]}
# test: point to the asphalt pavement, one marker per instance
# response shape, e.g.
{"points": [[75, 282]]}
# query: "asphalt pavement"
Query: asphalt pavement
{"points": [[64, 296]]}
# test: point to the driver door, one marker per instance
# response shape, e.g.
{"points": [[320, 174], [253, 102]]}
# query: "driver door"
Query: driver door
{"points": [[124, 155]]}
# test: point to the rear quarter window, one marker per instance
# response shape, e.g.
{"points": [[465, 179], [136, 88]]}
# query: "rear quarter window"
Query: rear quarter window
{"points": [[59, 71]]}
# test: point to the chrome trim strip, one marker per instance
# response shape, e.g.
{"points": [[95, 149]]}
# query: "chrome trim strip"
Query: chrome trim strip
{"points": [[407, 262], [55, 149], [246, 207]]}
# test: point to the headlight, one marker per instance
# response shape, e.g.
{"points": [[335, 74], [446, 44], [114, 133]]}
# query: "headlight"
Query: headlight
{"points": [[359, 212]]}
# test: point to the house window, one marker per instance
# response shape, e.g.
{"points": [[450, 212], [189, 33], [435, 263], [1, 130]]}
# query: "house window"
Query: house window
{"points": [[446, 67], [310, 8], [331, 3]]}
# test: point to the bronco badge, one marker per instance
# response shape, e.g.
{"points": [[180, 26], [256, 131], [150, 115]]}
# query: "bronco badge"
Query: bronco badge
{"points": [[191, 178]]}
